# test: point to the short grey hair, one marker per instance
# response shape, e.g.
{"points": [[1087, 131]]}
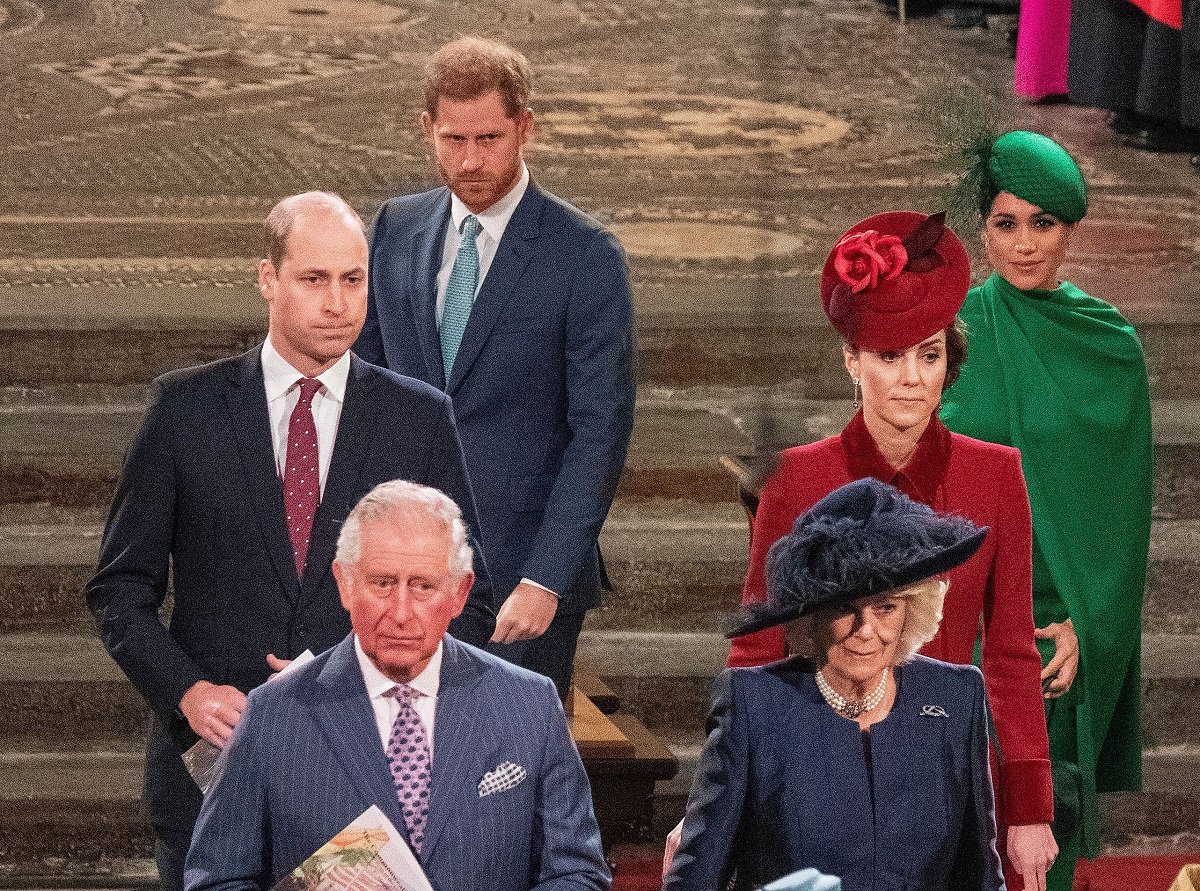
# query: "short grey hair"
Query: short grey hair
{"points": [[922, 616], [277, 228], [404, 499]]}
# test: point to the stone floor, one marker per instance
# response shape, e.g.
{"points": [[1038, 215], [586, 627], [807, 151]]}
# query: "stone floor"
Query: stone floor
{"points": [[727, 143]]}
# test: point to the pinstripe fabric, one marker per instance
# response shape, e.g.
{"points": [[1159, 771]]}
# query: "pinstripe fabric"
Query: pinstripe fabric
{"points": [[306, 760]]}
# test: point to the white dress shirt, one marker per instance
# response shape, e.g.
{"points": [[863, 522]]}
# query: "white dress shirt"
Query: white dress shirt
{"points": [[428, 681], [283, 393], [492, 223]]}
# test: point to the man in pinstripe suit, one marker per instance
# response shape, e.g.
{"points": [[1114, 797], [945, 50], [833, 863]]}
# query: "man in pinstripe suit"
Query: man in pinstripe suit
{"points": [[506, 804]]}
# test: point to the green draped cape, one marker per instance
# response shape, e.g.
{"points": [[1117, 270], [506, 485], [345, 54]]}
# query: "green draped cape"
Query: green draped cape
{"points": [[1061, 376]]}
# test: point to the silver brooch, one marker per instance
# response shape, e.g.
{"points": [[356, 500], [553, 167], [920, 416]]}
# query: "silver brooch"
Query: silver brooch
{"points": [[933, 711]]}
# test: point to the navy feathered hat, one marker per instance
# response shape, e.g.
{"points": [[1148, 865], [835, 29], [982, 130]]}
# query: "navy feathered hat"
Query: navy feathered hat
{"points": [[862, 539]]}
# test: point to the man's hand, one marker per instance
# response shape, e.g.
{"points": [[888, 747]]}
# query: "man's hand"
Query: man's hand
{"points": [[526, 614], [277, 665], [1032, 850], [213, 711], [673, 839], [1060, 671]]}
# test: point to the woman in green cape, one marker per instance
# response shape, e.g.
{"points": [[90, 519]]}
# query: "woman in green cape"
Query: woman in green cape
{"points": [[1061, 376]]}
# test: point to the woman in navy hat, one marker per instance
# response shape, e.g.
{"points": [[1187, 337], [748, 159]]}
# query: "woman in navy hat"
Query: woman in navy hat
{"points": [[856, 757], [891, 287]]}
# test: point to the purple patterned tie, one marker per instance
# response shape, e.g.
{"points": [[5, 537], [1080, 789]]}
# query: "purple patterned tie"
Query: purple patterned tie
{"points": [[408, 757], [302, 473]]}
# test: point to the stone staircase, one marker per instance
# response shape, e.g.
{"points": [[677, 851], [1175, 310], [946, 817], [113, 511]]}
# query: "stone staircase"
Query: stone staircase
{"points": [[71, 727], [126, 250]]}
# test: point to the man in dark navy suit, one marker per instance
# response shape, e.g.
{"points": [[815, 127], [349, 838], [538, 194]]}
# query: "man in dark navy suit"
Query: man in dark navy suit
{"points": [[467, 756], [235, 488], [518, 306]]}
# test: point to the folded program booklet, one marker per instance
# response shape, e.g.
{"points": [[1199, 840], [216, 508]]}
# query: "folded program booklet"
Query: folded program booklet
{"points": [[203, 760], [368, 855]]}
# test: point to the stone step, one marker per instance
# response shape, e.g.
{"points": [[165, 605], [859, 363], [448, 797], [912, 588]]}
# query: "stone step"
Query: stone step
{"points": [[64, 445], [680, 566], [664, 679], [676, 566], [61, 692], [87, 332]]}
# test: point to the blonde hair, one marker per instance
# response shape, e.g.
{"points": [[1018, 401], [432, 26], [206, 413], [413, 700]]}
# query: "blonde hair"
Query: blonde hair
{"points": [[922, 615]]}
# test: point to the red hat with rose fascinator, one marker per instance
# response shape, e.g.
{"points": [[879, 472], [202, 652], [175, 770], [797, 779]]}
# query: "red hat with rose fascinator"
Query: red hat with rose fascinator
{"points": [[895, 279]]}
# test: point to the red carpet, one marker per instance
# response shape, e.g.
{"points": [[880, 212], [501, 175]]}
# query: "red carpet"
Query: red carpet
{"points": [[1103, 874]]}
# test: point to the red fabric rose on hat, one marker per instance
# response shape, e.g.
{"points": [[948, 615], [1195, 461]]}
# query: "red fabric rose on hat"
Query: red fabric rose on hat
{"points": [[861, 260]]}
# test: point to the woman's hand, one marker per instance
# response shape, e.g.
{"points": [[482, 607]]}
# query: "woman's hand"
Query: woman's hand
{"points": [[1032, 850], [1060, 671], [673, 838]]}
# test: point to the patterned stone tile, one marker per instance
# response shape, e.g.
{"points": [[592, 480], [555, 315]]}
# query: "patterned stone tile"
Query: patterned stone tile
{"points": [[178, 72]]}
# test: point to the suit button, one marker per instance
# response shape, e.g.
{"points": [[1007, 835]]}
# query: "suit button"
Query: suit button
{"points": [[302, 631]]}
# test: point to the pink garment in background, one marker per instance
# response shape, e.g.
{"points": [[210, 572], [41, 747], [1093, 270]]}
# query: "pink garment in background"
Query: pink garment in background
{"points": [[1043, 32]]}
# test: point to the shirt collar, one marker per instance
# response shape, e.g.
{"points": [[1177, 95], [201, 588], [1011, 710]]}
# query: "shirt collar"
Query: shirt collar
{"points": [[919, 479], [427, 682], [279, 375], [495, 219]]}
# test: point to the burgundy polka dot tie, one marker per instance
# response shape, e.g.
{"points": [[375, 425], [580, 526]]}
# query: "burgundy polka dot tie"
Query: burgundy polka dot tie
{"points": [[408, 757], [302, 473]]}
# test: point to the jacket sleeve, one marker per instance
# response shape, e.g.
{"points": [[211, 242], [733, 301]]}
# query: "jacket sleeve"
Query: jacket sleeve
{"points": [[229, 850], [976, 861], [571, 858], [130, 582], [447, 471], [1011, 664], [704, 860], [772, 521], [598, 369]]}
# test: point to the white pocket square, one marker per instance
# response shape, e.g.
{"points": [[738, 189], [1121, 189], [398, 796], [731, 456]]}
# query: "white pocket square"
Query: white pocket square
{"points": [[506, 776]]}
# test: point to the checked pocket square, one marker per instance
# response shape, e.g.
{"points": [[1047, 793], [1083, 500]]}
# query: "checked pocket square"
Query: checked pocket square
{"points": [[506, 776]]}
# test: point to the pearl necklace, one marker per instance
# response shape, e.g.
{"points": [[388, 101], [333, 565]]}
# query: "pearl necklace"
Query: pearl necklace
{"points": [[851, 708]]}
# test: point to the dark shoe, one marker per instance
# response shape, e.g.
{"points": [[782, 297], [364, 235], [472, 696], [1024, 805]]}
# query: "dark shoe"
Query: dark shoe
{"points": [[1051, 99], [1163, 137], [1126, 123]]}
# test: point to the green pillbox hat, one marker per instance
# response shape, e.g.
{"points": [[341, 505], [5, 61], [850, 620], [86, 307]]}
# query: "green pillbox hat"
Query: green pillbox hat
{"points": [[1037, 169]]}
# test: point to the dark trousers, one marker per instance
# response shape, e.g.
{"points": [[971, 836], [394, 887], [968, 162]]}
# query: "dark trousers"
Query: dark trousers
{"points": [[170, 852], [552, 654]]}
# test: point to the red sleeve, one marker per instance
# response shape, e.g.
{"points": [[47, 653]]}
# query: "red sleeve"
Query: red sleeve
{"points": [[777, 510], [1011, 664]]}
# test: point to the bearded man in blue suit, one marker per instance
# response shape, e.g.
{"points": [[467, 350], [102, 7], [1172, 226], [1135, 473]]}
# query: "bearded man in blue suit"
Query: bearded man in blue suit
{"points": [[518, 306], [468, 756]]}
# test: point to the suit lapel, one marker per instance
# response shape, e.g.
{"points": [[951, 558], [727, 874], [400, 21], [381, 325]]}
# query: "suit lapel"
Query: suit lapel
{"points": [[247, 402], [456, 748], [356, 430], [426, 259], [343, 713], [512, 256]]}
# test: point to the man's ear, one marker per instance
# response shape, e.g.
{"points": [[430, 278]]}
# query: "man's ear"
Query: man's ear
{"points": [[266, 279], [525, 125], [341, 575], [463, 592], [427, 126]]}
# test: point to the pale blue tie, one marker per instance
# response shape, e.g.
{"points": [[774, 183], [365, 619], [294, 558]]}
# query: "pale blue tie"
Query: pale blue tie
{"points": [[460, 294]]}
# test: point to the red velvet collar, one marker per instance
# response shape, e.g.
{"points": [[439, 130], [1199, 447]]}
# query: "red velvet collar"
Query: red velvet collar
{"points": [[921, 477]]}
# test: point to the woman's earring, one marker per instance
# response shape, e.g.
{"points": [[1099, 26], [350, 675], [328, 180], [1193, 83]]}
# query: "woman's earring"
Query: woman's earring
{"points": [[856, 402]]}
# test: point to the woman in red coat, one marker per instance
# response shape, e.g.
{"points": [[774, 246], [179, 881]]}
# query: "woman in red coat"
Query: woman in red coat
{"points": [[892, 287]]}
